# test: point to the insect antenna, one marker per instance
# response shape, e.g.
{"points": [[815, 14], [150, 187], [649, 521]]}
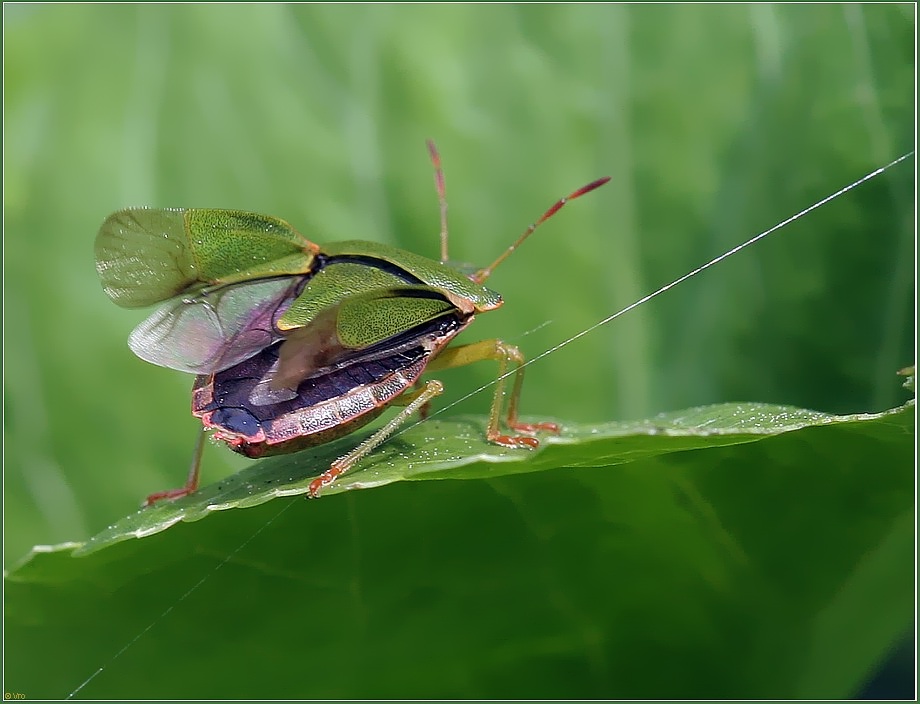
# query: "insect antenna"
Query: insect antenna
{"points": [[485, 273], [442, 195]]}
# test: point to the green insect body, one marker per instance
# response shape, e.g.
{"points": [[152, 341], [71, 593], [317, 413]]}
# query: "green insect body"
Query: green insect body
{"points": [[329, 336]]}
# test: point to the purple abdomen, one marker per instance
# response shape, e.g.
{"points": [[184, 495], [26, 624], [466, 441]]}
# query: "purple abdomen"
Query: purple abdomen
{"points": [[329, 404]]}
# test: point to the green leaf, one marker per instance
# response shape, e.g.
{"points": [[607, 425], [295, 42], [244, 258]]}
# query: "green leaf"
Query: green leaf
{"points": [[457, 449], [648, 552]]}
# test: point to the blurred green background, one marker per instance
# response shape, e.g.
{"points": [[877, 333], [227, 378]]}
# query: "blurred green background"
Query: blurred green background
{"points": [[714, 123]]}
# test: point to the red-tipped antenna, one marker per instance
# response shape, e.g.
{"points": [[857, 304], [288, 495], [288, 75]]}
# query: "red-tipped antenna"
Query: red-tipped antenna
{"points": [[484, 274], [442, 195]]}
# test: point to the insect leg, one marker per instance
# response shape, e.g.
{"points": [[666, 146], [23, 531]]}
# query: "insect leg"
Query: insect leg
{"points": [[346, 462], [191, 483], [504, 354], [408, 397]]}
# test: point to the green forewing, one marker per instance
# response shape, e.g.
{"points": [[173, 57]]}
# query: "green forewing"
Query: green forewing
{"points": [[148, 255], [233, 245], [370, 305], [373, 317], [430, 272], [330, 286]]}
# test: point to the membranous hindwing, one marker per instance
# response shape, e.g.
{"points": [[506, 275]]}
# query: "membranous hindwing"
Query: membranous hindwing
{"points": [[215, 329]]}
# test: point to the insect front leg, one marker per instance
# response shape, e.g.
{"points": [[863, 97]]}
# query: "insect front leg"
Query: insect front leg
{"points": [[505, 355]]}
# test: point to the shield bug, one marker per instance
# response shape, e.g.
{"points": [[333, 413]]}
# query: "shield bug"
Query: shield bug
{"points": [[296, 344]]}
